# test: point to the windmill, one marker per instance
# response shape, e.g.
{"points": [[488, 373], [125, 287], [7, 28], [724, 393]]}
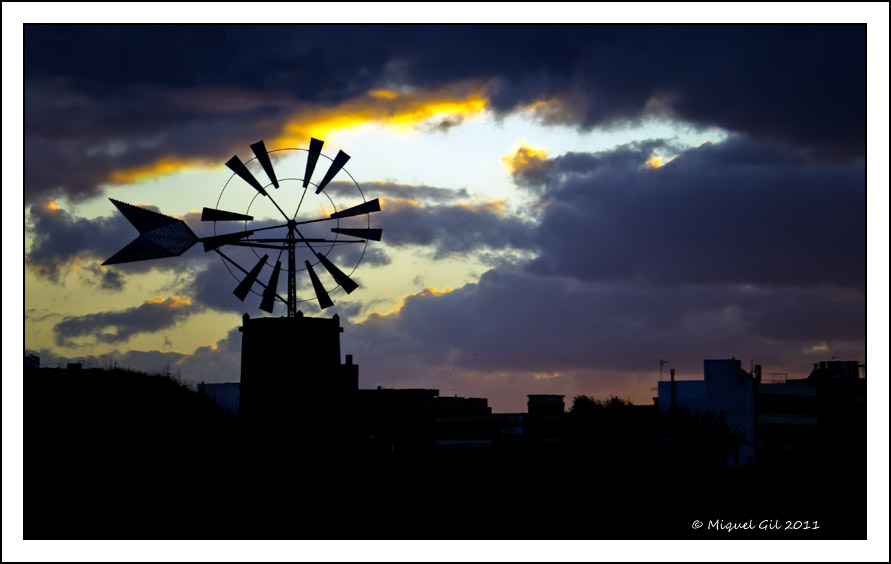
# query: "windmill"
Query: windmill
{"points": [[318, 236]]}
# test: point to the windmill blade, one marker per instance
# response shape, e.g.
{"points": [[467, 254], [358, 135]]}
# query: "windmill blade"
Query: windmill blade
{"points": [[236, 166], [321, 294], [360, 233], [337, 274], [211, 243], [160, 236], [269, 292], [244, 286], [368, 207], [315, 149], [340, 160], [209, 214], [259, 149]]}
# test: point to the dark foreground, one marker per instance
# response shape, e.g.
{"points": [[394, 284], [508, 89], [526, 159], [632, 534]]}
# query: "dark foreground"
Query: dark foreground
{"points": [[120, 455]]}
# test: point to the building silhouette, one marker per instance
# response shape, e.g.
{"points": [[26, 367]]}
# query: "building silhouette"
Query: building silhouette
{"points": [[296, 390], [313, 455], [774, 415]]}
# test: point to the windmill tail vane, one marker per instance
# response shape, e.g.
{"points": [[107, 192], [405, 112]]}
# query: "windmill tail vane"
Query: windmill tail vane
{"points": [[162, 236]]}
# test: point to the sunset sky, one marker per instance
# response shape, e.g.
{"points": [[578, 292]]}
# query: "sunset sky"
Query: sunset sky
{"points": [[562, 206]]}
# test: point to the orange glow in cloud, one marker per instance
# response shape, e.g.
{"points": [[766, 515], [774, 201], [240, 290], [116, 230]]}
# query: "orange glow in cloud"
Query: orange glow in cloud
{"points": [[172, 302], [658, 162], [524, 156], [545, 375], [52, 205], [390, 202], [394, 110], [496, 206], [428, 292], [165, 165], [391, 109]]}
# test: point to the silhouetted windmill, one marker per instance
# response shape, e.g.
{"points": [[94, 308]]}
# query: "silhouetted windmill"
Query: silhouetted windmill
{"points": [[162, 236]]}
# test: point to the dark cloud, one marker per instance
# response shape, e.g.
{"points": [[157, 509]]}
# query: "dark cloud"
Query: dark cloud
{"points": [[741, 249], [112, 327], [60, 238], [315, 62], [455, 229], [735, 212], [76, 140], [372, 256], [199, 91], [63, 242], [213, 286], [801, 84], [106, 279]]}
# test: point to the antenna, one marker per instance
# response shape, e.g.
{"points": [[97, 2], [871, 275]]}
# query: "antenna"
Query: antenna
{"points": [[661, 364]]}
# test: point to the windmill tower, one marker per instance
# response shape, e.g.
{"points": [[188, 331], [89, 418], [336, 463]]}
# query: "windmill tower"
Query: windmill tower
{"points": [[291, 365]]}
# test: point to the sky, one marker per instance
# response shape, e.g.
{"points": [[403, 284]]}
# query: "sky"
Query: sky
{"points": [[563, 207]]}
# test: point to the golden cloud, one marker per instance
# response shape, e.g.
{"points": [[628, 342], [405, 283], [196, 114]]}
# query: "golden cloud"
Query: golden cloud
{"points": [[428, 292], [658, 162], [496, 206], [524, 156], [172, 302], [163, 166], [391, 109]]}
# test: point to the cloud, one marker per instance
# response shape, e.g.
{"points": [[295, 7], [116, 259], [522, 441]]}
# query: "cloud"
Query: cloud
{"points": [[454, 228], [804, 85], [145, 110], [372, 256], [112, 327], [513, 324], [742, 249], [398, 110], [220, 362], [106, 279], [62, 243], [78, 140], [61, 239], [735, 212], [756, 243]]}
